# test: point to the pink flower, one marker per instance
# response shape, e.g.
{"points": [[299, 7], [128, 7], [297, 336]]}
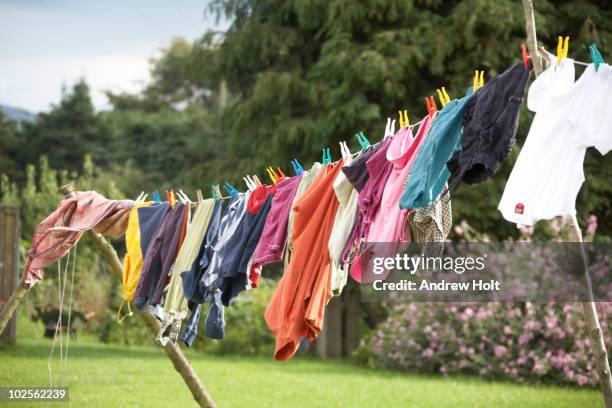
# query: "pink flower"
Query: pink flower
{"points": [[499, 351], [581, 379], [592, 225], [458, 230]]}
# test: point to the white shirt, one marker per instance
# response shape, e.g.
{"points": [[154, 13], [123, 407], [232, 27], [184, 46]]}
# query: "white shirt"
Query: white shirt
{"points": [[570, 116]]}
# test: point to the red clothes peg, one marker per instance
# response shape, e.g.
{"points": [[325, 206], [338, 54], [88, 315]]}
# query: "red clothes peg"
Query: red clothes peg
{"points": [[525, 56], [429, 112], [280, 172], [434, 107]]}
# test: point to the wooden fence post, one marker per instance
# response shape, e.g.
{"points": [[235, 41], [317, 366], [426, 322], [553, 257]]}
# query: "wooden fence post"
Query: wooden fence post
{"points": [[10, 234]]}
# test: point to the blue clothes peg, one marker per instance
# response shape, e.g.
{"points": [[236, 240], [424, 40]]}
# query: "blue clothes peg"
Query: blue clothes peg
{"points": [[366, 142], [595, 56], [156, 197], [298, 166], [230, 189]]}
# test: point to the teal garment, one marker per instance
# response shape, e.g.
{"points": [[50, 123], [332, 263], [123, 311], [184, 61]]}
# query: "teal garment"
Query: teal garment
{"points": [[429, 173]]}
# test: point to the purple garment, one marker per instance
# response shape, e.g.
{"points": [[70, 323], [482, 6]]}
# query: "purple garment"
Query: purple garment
{"points": [[159, 258], [357, 171], [273, 239], [368, 200]]}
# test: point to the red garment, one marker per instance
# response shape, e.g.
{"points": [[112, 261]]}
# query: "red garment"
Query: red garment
{"points": [[60, 231], [258, 197], [298, 305]]}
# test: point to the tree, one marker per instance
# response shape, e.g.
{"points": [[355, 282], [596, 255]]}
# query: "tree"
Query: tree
{"points": [[67, 133]]}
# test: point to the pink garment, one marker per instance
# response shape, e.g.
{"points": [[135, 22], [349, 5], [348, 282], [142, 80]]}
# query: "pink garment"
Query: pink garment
{"points": [[271, 245], [61, 230], [389, 221]]}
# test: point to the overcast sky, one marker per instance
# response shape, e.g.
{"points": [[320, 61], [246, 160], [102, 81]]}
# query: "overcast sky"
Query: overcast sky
{"points": [[44, 44]]}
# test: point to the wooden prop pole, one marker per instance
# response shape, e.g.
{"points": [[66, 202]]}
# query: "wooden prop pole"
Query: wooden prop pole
{"points": [[596, 338], [174, 352]]}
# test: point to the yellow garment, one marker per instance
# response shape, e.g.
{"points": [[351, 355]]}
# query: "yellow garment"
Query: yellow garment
{"points": [[132, 263]]}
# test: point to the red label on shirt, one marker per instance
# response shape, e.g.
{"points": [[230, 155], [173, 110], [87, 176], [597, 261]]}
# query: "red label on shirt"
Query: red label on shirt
{"points": [[519, 208]]}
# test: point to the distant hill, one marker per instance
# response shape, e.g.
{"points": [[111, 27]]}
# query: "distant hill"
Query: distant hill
{"points": [[17, 114]]}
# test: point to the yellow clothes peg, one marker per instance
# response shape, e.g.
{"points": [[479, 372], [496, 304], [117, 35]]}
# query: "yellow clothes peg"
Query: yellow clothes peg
{"points": [[478, 80], [441, 97], [403, 119], [562, 48], [445, 95], [271, 175]]}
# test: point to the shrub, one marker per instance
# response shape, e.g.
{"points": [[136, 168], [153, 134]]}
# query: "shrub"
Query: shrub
{"points": [[519, 342]]}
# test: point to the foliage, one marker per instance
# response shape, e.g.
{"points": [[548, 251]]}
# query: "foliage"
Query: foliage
{"points": [[36, 200]]}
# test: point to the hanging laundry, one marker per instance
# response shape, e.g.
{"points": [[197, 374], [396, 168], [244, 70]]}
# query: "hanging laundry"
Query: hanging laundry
{"points": [[175, 305], [490, 123], [234, 269], [570, 117], [368, 200], [346, 195], [159, 257], [429, 172], [273, 239], [298, 304], [195, 293], [307, 179], [62, 229], [132, 262], [389, 224], [431, 225], [149, 219]]}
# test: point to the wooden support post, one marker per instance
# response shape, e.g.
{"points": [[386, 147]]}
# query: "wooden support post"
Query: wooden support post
{"points": [[11, 292], [174, 352], [596, 338]]}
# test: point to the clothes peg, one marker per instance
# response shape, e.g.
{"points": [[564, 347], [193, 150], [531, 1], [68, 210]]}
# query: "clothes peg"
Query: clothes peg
{"points": [[429, 108], [297, 163], [403, 119], [213, 192], [199, 195], [257, 181], [433, 103], [392, 130], [271, 174], [446, 97], [218, 190], [525, 56], [230, 189], [280, 173], [595, 56], [481, 80], [366, 142], [562, 48], [248, 184]]}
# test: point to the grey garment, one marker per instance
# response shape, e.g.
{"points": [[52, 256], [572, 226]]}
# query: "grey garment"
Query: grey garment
{"points": [[431, 225], [215, 321]]}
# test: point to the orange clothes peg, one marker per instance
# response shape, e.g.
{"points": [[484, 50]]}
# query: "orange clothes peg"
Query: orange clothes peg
{"points": [[525, 56], [280, 173]]}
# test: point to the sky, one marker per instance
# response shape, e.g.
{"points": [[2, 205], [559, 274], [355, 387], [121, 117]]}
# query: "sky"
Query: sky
{"points": [[47, 45]]}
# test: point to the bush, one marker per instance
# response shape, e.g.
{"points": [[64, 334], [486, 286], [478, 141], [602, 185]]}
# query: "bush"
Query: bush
{"points": [[519, 342]]}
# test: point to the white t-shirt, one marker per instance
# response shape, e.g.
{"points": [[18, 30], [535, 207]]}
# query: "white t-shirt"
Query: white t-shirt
{"points": [[570, 116]]}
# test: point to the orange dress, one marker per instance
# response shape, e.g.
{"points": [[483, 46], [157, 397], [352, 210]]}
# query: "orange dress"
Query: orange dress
{"points": [[298, 304]]}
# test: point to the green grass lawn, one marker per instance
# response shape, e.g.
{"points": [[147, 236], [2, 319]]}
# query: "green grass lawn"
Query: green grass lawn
{"points": [[114, 376]]}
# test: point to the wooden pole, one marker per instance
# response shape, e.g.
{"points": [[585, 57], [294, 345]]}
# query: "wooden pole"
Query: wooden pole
{"points": [[9, 308], [596, 338], [174, 352]]}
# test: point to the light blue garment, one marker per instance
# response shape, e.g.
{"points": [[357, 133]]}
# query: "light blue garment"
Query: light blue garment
{"points": [[429, 173]]}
